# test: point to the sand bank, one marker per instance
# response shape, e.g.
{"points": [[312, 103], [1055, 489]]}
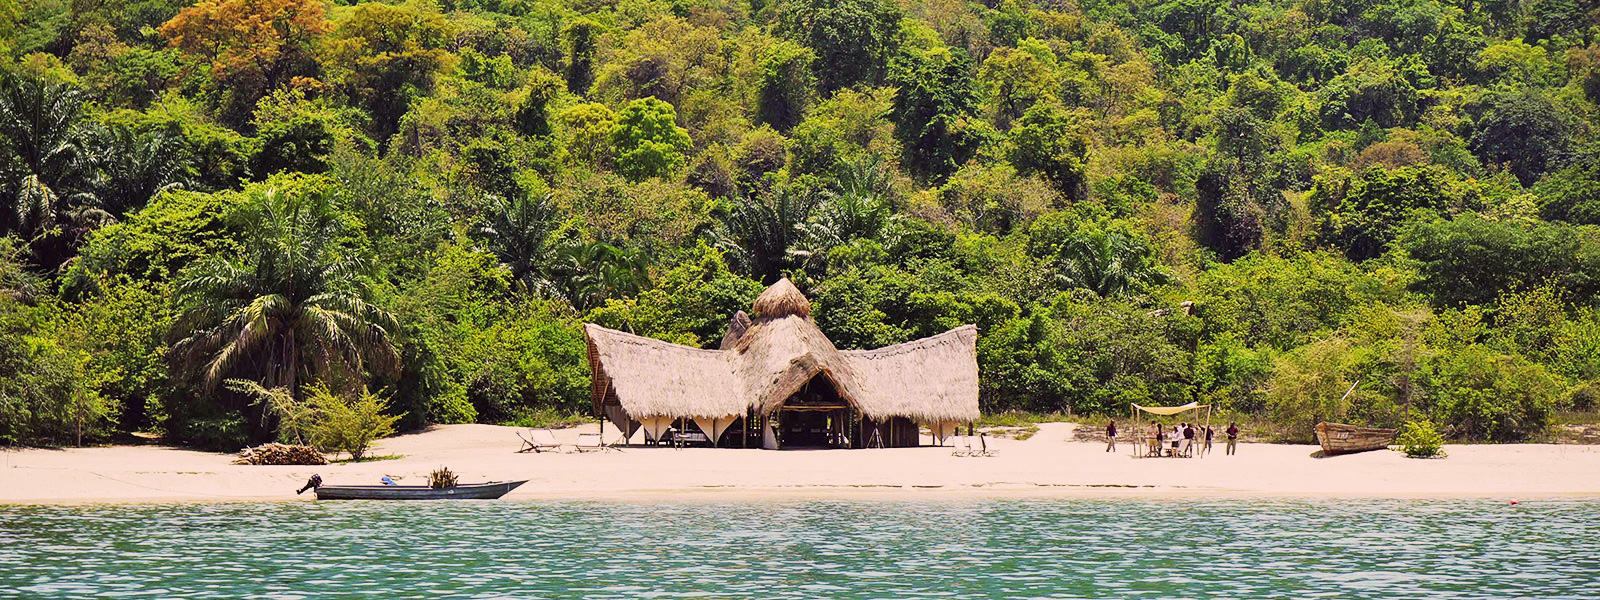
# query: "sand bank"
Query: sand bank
{"points": [[1048, 464]]}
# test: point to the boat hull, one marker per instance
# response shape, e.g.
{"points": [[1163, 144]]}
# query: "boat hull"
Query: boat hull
{"points": [[1338, 438], [474, 491]]}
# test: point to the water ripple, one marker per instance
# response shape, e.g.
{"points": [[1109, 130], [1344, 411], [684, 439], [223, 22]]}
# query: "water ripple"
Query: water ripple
{"points": [[805, 549]]}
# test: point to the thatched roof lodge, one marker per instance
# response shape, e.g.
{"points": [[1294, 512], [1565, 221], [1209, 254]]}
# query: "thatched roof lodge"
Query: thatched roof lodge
{"points": [[784, 384]]}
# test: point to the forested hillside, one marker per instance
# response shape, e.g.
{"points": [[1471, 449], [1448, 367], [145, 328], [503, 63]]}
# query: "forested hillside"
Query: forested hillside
{"points": [[1253, 203]]}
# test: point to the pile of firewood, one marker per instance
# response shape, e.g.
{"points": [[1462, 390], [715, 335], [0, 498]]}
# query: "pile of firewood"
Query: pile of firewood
{"points": [[280, 454]]}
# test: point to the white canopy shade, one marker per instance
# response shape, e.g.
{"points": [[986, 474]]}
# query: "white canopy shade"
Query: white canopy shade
{"points": [[1171, 410]]}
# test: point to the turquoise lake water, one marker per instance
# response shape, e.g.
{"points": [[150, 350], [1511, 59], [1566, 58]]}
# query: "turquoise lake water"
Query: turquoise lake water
{"points": [[807, 549]]}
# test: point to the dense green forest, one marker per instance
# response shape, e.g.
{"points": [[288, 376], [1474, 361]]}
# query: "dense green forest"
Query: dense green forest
{"points": [[1252, 203]]}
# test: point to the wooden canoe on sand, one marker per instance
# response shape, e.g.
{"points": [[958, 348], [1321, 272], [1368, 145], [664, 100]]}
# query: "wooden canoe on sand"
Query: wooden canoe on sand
{"points": [[1338, 438]]}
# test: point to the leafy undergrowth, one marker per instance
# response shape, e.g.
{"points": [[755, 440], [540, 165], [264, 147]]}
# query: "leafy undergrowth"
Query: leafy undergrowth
{"points": [[1573, 427]]}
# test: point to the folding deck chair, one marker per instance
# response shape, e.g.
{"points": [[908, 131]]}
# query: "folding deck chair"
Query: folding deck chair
{"points": [[963, 446], [983, 445], [539, 440], [592, 442]]}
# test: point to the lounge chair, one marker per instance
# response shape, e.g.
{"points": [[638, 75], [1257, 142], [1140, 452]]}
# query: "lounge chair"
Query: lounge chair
{"points": [[1183, 448], [963, 446], [539, 440], [591, 442], [983, 445]]}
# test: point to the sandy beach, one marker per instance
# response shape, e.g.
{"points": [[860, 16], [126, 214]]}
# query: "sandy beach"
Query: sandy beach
{"points": [[1048, 464]]}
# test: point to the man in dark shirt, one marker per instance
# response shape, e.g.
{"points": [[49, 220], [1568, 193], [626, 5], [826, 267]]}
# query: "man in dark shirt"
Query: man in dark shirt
{"points": [[1111, 436], [1233, 437], [1207, 447]]}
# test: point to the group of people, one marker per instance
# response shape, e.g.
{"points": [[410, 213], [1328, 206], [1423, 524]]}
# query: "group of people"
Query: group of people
{"points": [[1181, 431]]}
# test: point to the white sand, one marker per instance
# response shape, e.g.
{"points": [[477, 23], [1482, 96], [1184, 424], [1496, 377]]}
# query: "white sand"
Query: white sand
{"points": [[1047, 464]]}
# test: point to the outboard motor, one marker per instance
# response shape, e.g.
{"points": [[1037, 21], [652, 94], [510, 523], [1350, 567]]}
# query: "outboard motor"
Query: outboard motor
{"points": [[311, 484]]}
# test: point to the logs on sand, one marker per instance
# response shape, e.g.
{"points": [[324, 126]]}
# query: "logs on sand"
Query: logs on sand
{"points": [[280, 454]]}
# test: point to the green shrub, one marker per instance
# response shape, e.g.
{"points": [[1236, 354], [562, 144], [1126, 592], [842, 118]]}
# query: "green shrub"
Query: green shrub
{"points": [[1419, 439], [213, 430], [1480, 394], [349, 424], [45, 395], [1585, 397], [295, 418]]}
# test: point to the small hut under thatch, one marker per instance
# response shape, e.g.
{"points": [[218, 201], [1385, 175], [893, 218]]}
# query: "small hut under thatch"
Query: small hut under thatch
{"points": [[778, 382]]}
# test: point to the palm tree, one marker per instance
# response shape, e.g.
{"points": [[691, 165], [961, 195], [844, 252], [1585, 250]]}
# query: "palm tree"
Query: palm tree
{"points": [[517, 231], [590, 273], [762, 234], [857, 207], [130, 168], [1108, 263], [40, 125], [292, 307]]}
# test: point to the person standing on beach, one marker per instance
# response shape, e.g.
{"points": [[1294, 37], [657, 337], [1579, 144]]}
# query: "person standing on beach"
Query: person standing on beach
{"points": [[1207, 449], [1233, 437], [1111, 436]]}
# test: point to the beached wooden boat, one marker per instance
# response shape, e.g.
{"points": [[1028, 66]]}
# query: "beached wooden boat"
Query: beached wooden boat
{"points": [[1338, 438], [471, 491]]}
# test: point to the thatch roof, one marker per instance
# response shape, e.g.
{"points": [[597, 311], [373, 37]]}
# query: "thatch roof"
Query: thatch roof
{"points": [[760, 365], [655, 378], [934, 378], [736, 328]]}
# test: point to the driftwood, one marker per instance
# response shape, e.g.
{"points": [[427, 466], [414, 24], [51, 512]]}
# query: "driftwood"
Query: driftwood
{"points": [[280, 454]]}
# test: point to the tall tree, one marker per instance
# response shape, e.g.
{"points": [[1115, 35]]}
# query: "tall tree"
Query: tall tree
{"points": [[130, 168], [589, 273], [292, 307], [582, 39], [648, 140], [1360, 213], [761, 233], [786, 85], [856, 206], [934, 112], [853, 39], [253, 46], [1523, 131], [384, 56], [1048, 141], [41, 125], [45, 142], [1107, 262], [517, 231]]}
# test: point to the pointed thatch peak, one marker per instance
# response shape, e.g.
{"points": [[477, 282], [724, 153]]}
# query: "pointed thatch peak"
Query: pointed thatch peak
{"points": [[782, 299]]}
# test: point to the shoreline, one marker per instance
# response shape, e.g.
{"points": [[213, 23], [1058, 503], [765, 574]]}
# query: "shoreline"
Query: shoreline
{"points": [[1051, 464]]}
